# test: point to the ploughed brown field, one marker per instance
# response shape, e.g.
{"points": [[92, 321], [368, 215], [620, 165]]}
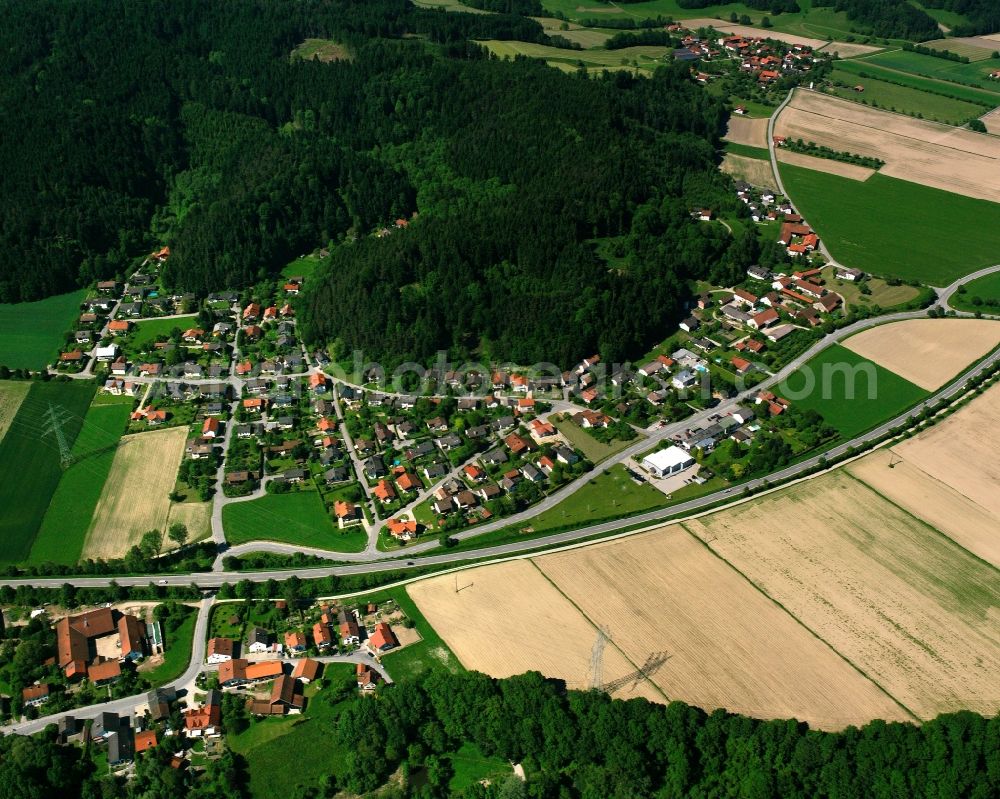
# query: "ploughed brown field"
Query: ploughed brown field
{"points": [[928, 153], [745, 130]]}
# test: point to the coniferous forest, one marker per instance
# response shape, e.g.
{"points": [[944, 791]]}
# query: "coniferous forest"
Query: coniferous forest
{"points": [[190, 124]]}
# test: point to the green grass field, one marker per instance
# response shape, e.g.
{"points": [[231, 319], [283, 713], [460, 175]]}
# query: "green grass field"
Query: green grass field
{"points": [[882, 294], [592, 449], [309, 739], [852, 403], [176, 654], [31, 333], [64, 528], [985, 288], [29, 460], [894, 228], [976, 73], [144, 333], [906, 100], [747, 150], [645, 56], [611, 493], [471, 766], [865, 70], [298, 518], [947, 18]]}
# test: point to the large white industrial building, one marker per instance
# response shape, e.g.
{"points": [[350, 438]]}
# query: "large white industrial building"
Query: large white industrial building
{"points": [[667, 462]]}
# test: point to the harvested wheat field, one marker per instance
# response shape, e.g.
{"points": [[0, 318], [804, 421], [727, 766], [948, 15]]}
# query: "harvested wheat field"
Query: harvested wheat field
{"points": [[848, 49], [969, 525], [196, 516], [12, 394], [927, 352], [908, 607], [744, 130], [961, 451], [135, 496], [508, 619], [750, 31], [828, 165], [992, 121], [728, 646], [928, 153], [753, 170]]}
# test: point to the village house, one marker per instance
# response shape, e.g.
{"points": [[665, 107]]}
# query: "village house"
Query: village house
{"points": [[219, 650]]}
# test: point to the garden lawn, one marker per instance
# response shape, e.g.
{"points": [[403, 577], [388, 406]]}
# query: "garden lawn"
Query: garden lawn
{"points": [[878, 394], [298, 518], [985, 288], [31, 333], [611, 493], [30, 466], [64, 528], [308, 739], [429, 653], [906, 100], [144, 333], [894, 228], [176, 654], [592, 449]]}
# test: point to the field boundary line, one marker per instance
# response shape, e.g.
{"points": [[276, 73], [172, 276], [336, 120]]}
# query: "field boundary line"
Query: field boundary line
{"points": [[800, 622], [590, 621], [924, 522], [893, 133]]}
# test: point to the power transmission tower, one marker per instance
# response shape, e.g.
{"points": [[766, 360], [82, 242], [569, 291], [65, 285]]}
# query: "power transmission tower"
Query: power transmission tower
{"points": [[55, 418], [597, 658]]}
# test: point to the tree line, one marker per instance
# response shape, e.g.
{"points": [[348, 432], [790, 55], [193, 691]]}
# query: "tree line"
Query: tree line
{"points": [[571, 744]]}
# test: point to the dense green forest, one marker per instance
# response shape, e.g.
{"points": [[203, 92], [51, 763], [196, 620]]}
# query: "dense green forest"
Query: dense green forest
{"points": [[572, 744], [187, 123], [897, 19]]}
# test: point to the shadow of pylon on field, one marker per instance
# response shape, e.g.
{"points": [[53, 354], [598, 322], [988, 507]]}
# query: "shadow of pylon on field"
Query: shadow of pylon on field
{"points": [[653, 663]]}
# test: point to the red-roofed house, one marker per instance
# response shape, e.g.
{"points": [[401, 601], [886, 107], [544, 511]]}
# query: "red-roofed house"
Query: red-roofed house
{"points": [[383, 638], [741, 365], [764, 319]]}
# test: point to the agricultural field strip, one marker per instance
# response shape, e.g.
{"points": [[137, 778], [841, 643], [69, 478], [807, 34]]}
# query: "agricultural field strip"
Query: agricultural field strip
{"points": [[926, 351], [989, 149], [515, 608], [742, 650], [135, 496], [933, 501], [905, 604], [12, 394], [856, 64]]}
